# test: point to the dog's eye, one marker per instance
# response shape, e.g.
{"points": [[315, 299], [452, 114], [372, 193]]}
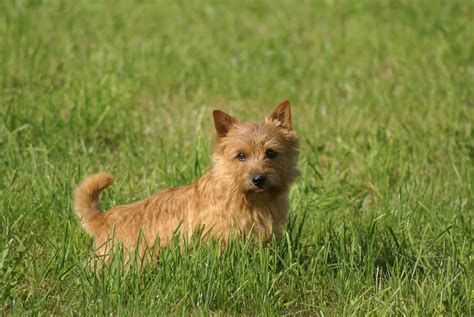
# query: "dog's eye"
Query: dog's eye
{"points": [[240, 156], [270, 154]]}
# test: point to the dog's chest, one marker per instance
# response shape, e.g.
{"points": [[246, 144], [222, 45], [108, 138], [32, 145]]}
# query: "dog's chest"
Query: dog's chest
{"points": [[260, 221], [224, 216]]}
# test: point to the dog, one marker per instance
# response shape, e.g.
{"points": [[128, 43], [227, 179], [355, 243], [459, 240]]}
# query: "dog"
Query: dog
{"points": [[245, 192]]}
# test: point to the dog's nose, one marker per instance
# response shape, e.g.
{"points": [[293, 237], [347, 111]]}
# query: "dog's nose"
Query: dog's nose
{"points": [[259, 180]]}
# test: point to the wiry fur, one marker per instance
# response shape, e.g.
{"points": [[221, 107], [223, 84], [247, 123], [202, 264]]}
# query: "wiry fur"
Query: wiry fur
{"points": [[224, 200]]}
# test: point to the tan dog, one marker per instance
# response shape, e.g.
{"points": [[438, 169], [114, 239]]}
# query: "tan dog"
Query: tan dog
{"points": [[245, 191]]}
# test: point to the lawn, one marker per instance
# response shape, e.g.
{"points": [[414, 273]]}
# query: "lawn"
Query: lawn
{"points": [[382, 97]]}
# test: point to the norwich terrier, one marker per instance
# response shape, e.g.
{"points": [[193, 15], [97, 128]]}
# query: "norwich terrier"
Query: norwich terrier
{"points": [[245, 192]]}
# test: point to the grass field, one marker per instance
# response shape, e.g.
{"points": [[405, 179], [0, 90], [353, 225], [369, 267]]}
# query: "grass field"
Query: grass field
{"points": [[383, 101]]}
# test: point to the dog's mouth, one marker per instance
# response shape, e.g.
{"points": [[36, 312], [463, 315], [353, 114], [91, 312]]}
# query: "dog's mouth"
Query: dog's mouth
{"points": [[270, 190], [255, 190]]}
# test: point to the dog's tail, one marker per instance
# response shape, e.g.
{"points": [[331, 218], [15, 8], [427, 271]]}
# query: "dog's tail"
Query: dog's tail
{"points": [[86, 200]]}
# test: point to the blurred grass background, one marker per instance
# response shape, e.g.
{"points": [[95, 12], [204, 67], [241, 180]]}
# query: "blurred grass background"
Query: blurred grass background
{"points": [[383, 101]]}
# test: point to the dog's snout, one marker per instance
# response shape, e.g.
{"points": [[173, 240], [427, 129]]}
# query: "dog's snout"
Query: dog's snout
{"points": [[259, 180]]}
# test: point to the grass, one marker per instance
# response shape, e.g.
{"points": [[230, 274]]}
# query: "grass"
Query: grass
{"points": [[383, 101]]}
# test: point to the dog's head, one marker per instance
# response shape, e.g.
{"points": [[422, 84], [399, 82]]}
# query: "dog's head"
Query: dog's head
{"points": [[257, 157]]}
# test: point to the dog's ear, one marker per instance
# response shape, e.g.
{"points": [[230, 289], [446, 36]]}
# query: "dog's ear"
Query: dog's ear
{"points": [[223, 122], [282, 115]]}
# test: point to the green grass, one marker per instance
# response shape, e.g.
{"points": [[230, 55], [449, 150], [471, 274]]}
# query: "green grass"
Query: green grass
{"points": [[383, 101]]}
